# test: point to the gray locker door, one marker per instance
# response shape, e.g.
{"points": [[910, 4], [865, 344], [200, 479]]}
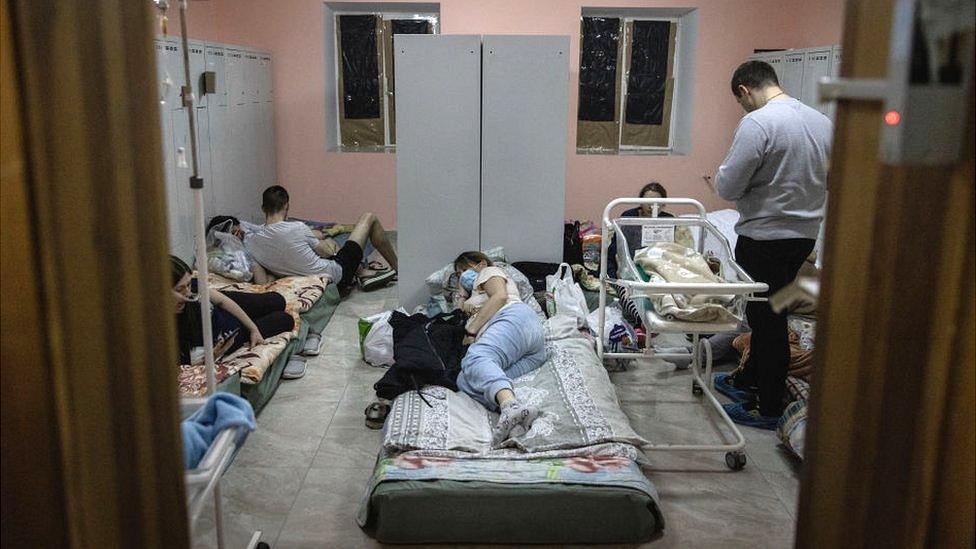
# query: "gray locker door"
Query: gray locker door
{"points": [[816, 66], [252, 75], [792, 78], [835, 55], [234, 68], [267, 93], [266, 156], [437, 162], [215, 63], [161, 86], [775, 60], [198, 64], [525, 82], [181, 201], [218, 117], [169, 174], [205, 160]]}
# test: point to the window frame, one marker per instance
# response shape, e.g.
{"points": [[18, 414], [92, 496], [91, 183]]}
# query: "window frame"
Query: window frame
{"points": [[435, 25]]}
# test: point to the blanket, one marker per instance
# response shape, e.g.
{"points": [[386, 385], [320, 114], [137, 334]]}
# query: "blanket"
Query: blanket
{"points": [[580, 415], [670, 262], [221, 411], [300, 294]]}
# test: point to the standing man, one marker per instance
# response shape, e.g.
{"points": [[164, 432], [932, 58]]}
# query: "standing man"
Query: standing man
{"points": [[776, 172]]}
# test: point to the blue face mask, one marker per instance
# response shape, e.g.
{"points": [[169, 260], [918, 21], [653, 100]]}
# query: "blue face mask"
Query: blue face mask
{"points": [[467, 279]]}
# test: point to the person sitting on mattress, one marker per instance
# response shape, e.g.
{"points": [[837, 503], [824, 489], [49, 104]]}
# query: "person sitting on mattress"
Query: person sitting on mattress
{"points": [[291, 248], [508, 342], [237, 318]]}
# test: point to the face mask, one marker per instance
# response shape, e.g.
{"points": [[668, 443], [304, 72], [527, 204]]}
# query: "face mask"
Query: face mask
{"points": [[467, 279]]}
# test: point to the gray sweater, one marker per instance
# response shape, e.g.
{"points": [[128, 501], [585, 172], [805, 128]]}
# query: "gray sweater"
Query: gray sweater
{"points": [[776, 171]]}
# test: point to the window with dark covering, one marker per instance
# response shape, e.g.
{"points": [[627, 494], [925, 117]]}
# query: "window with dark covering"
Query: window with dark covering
{"points": [[626, 84], [364, 78]]}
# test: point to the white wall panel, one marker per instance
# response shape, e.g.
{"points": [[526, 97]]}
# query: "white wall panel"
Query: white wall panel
{"points": [[525, 82], [438, 148]]}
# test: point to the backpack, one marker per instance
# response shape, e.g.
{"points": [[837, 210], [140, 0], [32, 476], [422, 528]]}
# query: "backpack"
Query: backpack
{"points": [[572, 244]]}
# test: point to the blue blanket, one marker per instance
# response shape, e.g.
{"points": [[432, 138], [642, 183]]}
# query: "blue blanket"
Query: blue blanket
{"points": [[220, 411]]}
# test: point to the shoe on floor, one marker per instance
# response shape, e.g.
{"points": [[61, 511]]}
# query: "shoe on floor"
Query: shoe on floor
{"points": [[313, 345], [724, 385], [742, 415], [295, 368], [377, 280]]}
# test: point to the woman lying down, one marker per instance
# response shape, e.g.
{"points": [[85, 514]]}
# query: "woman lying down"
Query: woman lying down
{"points": [[508, 343]]}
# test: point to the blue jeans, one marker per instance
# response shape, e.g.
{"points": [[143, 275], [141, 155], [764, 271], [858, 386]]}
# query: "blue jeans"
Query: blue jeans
{"points": [[512, 345]]}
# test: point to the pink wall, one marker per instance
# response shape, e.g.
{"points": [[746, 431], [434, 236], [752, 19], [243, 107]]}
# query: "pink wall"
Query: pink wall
{"points": [[339, 186]]}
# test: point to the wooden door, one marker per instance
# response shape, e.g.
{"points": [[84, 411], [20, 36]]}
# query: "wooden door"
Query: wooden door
{"points": [[890, 442]]}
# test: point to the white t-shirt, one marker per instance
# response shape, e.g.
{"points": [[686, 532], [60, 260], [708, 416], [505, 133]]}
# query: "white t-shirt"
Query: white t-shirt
{"points": [[479, 296], [286, 248]]}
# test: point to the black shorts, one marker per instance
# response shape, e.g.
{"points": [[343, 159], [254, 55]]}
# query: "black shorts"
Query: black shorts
{"points": [[349, 257]]}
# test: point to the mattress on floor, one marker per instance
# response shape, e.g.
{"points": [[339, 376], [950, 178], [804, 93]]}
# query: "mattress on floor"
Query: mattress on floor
{"points": [[569, 500], [573, 477]]}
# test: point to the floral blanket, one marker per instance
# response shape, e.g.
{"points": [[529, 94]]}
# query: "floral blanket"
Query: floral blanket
{"points": [[300, 294], [597, 470]]}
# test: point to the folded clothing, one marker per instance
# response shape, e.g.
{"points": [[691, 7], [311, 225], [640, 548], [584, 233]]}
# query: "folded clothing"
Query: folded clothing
{"points": [[221, 411]]}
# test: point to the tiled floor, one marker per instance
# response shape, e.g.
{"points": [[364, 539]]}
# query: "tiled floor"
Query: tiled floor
{"points": [[300, 477]]}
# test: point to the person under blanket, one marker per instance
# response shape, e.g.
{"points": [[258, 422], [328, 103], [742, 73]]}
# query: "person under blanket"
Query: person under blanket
{"points": [[508, 342], [776, 172], [291, 248], [231, 316]]}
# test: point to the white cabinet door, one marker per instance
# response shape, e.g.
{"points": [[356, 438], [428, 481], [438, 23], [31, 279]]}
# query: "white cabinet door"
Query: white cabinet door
{"points": [[792, 78], [234, 67], [438, 155], [816, 66], [215, 63], [523, 145]]}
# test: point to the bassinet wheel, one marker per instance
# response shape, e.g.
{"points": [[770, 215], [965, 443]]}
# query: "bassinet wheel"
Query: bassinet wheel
{"points": [[696, 388], [262, 545], [735, 460]]}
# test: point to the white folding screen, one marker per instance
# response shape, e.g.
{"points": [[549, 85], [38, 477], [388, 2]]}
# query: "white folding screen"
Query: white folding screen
{"points": [[438, 96], [481, 150], [523, 152], [235, 133]]}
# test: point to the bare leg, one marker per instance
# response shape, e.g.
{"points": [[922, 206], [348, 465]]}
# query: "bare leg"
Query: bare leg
{"points": [[369, 229]]}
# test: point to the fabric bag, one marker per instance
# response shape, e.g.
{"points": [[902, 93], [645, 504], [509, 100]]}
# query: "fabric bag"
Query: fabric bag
{"points": [[564, 296]]}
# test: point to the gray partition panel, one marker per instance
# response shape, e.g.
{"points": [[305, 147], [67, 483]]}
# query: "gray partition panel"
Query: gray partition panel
{"points": [[438, 81], [523, 166]]}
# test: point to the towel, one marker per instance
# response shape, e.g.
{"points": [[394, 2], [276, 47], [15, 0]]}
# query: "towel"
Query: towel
{"points": [[220, 411]]}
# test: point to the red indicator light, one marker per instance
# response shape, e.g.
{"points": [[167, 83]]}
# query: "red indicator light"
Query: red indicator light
{"points": [[892, 118]]}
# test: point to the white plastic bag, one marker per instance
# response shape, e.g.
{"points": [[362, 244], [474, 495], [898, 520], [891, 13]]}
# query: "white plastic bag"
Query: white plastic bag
{"points": [[618, 334], [377, 344], [564, 296]]}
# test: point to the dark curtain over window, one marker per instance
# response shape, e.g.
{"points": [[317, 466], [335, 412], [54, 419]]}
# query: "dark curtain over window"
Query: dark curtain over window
{"points": [[648, 72], [598, 68], [360, 74]]}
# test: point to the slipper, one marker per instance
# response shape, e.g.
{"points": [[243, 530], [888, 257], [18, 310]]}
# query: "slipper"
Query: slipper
{"points": [[295, 368], [750, 418], [377, 280], [377, 266], [313, 345], [723, 384], [376, 414]]}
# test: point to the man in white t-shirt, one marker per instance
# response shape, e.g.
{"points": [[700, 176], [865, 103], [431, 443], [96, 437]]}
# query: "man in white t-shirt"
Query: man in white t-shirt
{"points": [[291, 248]]}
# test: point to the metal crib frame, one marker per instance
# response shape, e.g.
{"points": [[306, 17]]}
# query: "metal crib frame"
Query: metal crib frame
{"points": [[701, 352]]}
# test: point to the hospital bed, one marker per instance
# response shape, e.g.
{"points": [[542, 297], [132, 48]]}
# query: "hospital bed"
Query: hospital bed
{"points": [[735, 283]]}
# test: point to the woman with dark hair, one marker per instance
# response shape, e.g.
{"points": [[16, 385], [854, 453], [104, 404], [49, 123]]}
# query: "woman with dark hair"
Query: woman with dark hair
{"points": [[633, 233], [231, 315], [508, 343]]}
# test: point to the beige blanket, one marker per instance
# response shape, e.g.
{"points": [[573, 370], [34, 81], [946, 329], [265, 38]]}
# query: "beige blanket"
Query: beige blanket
{"points": [[300, 293], [670, 262]]}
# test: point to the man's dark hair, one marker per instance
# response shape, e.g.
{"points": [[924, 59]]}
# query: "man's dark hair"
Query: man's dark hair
{"points": [[274, 200], [653, 186], [753, 74], [219, 220]]}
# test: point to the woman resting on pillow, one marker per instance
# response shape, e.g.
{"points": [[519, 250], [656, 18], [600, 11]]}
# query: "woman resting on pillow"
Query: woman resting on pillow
{"points": [[230, 317], [508, 342]]}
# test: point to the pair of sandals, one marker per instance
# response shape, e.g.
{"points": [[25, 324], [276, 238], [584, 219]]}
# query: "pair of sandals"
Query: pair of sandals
{"points": [[376, 414], [381, 276]]}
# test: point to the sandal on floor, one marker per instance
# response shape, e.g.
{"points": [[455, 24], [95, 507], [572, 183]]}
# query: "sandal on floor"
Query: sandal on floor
{"points": [[295, 368], [376, 414], [377, 266], [313, 345], [377, 280]]}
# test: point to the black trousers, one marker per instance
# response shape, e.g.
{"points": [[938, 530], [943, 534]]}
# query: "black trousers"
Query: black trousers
{"points": [[776, 263], [267, 310]]}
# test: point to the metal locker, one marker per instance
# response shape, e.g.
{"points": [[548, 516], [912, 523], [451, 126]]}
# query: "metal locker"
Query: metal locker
{"points": [[252, 72], [792, 78], [205, 160], [835, 53], [214, 56], [266, 141], [816, 66], [234, 68], [169, 175], [198, 64], [179, 198], [217, 116], [267, 82], [162, 85], [775, 60], [174, 69]]}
